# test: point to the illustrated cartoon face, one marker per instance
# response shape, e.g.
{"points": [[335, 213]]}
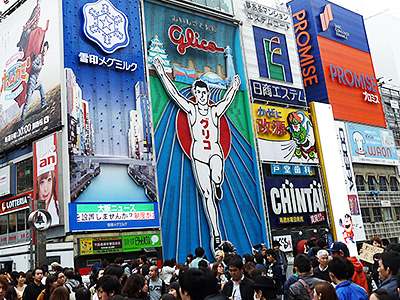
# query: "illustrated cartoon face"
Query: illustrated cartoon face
{"points": [[295, 121], [347, 223], [201, 94]]}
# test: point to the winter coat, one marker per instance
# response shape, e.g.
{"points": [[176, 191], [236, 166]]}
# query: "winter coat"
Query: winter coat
{"points": [[350, 291], [298, 291], [390, 284], [359, 276]]}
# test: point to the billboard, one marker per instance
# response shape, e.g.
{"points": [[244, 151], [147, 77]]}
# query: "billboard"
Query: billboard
{"points": [[284, 134], [109, 119], [5, 181], [271, 56], [348, 172], [372, 145], [336, 61], [206, 162], [30, 82], [16, 203], [294, 200], [45, 175], [106, 216]]}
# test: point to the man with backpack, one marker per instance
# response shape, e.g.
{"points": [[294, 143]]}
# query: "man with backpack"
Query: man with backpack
{"points": [[303, 289]]}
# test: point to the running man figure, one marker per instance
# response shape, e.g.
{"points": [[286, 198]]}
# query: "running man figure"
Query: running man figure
{"points": [[206, 152]]}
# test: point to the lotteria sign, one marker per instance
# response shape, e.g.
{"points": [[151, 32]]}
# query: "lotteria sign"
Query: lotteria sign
{"points": [[15, 203]]}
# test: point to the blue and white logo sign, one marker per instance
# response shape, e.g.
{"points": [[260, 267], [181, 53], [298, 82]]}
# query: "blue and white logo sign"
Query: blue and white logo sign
{"points": [[105, 25]]}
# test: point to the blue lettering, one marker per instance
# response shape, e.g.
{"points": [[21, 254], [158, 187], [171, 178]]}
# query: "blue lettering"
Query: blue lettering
{"points": [[373, 84], [333, 72], [346, 77], [359, 80], [340, 77], [368, 82]]}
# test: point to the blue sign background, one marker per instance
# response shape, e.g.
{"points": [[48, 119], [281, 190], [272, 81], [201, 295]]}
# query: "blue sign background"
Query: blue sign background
{"points": [[371, 144], [105, 225]]}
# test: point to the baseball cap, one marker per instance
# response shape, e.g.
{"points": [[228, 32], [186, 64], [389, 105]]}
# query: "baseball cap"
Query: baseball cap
{"points": [[339, 247]]}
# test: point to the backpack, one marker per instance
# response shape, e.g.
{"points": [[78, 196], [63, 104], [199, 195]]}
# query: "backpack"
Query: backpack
{"points": [[309, 290]]}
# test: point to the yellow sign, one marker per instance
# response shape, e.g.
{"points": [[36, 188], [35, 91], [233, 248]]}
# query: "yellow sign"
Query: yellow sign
{"points": [[278, 124], [86, 246]]}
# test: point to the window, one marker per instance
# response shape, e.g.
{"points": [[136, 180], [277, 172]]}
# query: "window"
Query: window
{"points": [[221, 5], [371, 183], [394, 184], [21, 220], [377, 214], [397, 212], [383, 184], [12, 223], [366, 217], [360, 183], [387, 212], [25, 176], [3, 224]]}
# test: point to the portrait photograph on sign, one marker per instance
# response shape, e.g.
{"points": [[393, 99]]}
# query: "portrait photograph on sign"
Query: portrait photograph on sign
{"points": [[30, 96], [206, 163], [109, 114]]}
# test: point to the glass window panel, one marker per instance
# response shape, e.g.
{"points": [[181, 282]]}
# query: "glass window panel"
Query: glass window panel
{"points": [[3, 224], [377, 214], [371, 183], [12, 222], [383, 184], [387, 212], [360, 183], [394, 185], [21, 220], [25, 176], [366, 217]]}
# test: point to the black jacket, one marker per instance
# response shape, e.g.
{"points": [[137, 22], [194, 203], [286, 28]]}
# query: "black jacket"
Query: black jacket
{"points": [[246, 289], [324, 275], [32, 291]]}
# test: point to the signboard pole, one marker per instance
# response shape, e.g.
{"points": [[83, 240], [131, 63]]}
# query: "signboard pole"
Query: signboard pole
{"points": [[40, 243]]}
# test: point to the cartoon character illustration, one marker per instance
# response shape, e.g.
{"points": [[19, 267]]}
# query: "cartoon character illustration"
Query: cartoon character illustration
{"points": [[358, 138], [300, 129], [206, 152], [347, 225]]}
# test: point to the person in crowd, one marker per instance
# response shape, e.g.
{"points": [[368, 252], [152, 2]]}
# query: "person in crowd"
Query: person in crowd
{"points": [[275, 270], [199, 284], [135, 266], [20, 285], [325, 291], [300, 247], [33, 290], [107, 287], [220, 256], [60, 278], [133, 286], [200, 255], [264, 289], [167, 271], [249, 268], [92, 289], [11, 293], [174, 290], [381, 294], [218, 270], [247, 258], [82, 294], [339, 249], [167, 296], [45, 269], [145, 270], [389, 263], [313, 256], [227, 247], [338, 271], [3, 287], [292, 279], [51, 284], [60, 293], [256, 272], [301, 289], [156, 284], [144, 292], [143, 260], [71, 283], [189, 259], [282, 257], [321, 271], [260, 262], [119, 261], [239, 287], [56, 267]]}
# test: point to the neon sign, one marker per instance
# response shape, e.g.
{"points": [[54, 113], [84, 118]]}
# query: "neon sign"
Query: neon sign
{"points": [[190, 39]]}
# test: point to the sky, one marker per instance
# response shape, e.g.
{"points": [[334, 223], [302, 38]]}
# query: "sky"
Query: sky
{"points": [[369, 8]]}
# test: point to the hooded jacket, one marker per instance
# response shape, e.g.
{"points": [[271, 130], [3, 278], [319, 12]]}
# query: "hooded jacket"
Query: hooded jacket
{"points": [[359, 276], [350, 291]]}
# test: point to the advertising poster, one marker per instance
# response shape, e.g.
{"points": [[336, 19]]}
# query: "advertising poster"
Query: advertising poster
{"points": [[335, 60], [46, 177], [371, 145], [31, 72], [5, 181], [294, 200], [271, 55], [206, 162], [109, 120], [284, 134], [353, 224]]}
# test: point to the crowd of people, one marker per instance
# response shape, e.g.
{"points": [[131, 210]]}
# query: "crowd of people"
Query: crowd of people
{"points": [[320, 272]]}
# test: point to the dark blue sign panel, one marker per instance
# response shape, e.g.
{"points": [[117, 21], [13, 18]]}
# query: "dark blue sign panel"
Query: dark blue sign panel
{"points": [[275, 92], [109, 216], [295, 201]]}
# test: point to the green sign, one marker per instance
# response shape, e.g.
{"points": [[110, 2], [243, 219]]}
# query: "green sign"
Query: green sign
{"points": [[114, 208], [128, 243]]}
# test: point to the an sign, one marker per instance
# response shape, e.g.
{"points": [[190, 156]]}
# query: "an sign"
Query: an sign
{"points": [[372, 145], [206, 160], [118, 244], [110, 131], [385, 203], [30, 64], [15, 203], [280, 169], [39, 219], [284, 135], [295, 201], [108, 216], [5, 184], [270, 51], [46, 175], [368, 251], [285, 241], [348, 172], [336, 61]]}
